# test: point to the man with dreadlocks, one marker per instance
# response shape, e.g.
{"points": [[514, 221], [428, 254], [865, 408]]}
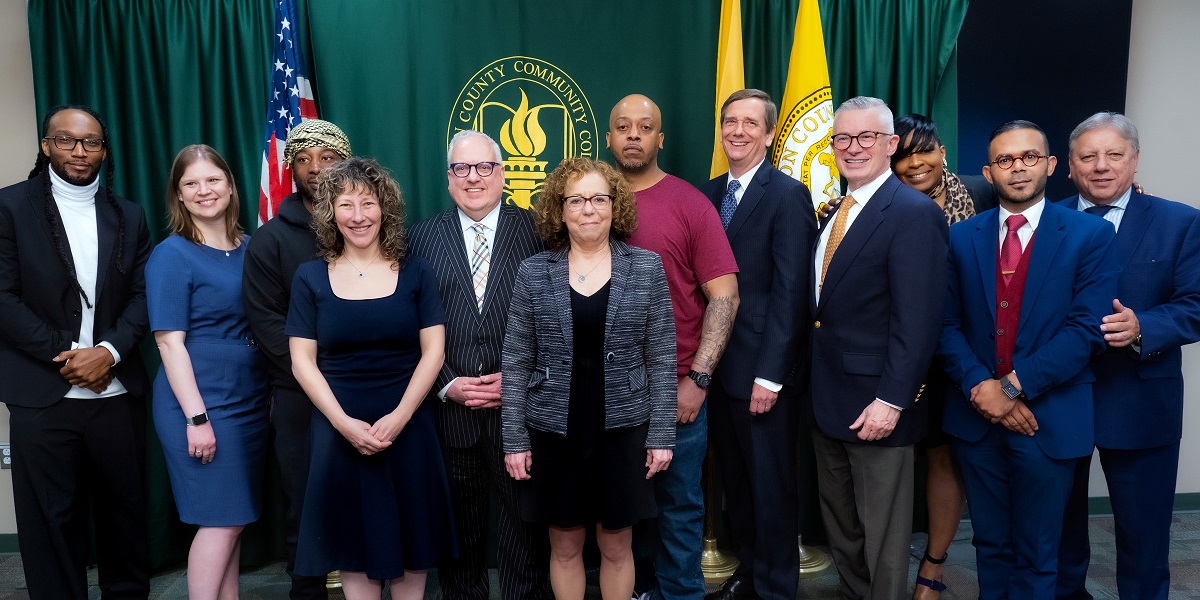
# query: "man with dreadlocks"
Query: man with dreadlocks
{"points": [[72, 313], [275, 251]]}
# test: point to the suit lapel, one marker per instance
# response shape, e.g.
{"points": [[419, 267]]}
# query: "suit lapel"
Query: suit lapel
{"points": [[986, 242], [455, 252], [106, 236], [750, 199], [502, 244], [558, 281], [622, 265], [865, 224], [1134, 225], [1046, 240]]}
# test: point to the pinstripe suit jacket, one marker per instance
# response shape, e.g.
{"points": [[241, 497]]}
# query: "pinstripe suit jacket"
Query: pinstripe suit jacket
{"points": [[639, 348], [474, 338]]}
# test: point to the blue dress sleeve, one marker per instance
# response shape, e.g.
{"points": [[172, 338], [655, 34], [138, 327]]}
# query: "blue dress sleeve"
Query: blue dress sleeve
{"points": [[429, 299], [169, 287], [302, 311]]}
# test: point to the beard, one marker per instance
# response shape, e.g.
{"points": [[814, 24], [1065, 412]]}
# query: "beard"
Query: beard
{"points": [[66, 176], [1036, 190]]}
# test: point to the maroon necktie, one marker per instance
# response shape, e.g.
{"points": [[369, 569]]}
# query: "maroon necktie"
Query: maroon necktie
{"points": [[1010, 250]]}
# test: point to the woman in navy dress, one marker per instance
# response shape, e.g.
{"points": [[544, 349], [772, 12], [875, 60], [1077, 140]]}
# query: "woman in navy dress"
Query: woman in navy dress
{"points": [[367, 340], [211, 388]]}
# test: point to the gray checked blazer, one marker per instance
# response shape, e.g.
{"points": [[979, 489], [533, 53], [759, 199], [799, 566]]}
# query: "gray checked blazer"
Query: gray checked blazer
{"points": [[639, 348]]}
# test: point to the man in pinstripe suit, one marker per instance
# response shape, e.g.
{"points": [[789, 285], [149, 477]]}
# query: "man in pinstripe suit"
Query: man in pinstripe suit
{"points": [[475, 247]]}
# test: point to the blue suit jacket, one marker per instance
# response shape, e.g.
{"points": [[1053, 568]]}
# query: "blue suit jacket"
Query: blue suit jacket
{"points": [[770, 234], [875, 327], [1071, 282], [1139, 396]]}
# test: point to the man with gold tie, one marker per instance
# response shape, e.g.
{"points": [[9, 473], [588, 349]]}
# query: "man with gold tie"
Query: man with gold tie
{"points": [[876, 312]]}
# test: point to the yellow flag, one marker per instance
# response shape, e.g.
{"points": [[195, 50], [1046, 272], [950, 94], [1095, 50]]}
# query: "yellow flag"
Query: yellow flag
{"points": [[801, 146], [731, 76]]}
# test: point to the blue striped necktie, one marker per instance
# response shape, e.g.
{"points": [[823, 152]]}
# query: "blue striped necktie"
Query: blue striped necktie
{"points": [[729, 202]]}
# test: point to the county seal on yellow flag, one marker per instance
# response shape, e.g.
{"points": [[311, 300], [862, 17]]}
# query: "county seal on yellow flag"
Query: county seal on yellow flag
{"points": [[801, 146]]}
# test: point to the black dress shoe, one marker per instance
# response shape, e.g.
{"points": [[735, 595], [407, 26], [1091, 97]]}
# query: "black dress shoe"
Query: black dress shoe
{"points": [[732, 589]]}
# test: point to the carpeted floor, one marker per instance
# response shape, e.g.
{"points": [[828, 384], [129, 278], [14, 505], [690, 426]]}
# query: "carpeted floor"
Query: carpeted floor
{"points": [[270, 583]]}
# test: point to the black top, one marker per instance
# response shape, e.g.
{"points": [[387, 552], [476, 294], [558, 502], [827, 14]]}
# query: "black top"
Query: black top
{"points": [[585, 415]]}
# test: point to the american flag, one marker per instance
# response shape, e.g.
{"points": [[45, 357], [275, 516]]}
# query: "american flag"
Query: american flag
{"points": [[290, 100]]}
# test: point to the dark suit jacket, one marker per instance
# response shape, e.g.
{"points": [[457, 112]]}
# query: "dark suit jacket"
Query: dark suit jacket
{"points": [[639, 348], [474, 340], [40, 309], [770, 234], [1070, 285], [875, 327], [1139, 396]]}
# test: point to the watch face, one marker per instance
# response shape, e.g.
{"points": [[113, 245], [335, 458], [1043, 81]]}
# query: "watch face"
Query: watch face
{"points": [[702, 379]]}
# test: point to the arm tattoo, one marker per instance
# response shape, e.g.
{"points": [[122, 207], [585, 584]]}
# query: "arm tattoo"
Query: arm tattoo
{"points": [[718, 324]]}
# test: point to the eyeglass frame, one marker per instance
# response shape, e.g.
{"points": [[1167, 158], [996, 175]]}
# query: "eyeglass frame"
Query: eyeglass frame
{"points": [[576, 208], [75, 141], [1013, 160], [469, 166], [858, 138]]}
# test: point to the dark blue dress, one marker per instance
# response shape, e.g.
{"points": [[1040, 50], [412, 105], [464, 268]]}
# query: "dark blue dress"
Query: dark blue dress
{"points": [[198, 289], [388, 512]]}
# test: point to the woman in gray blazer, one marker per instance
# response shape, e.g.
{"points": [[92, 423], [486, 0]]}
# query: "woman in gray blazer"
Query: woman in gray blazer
{"points": [[589, 376]]}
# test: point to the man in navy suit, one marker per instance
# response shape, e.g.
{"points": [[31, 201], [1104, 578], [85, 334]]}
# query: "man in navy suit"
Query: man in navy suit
{"points": [[752, 401], [1139, 381], [475, 247], [876, 310], [1029, 283]]}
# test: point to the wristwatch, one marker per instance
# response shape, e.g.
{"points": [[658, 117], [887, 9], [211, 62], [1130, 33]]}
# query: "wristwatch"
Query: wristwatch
{"points": [[702, 379], [1009, 389], [198, 419]]}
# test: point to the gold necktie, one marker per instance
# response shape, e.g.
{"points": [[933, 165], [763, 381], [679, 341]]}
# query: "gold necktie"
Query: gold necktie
{"points": [[836, 234]]}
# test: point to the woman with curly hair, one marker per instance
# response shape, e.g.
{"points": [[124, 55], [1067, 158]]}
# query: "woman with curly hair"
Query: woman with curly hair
{"points": [[589, 376], [367, 338]]}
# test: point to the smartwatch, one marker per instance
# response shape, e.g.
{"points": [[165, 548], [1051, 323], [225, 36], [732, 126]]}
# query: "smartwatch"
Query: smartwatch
{"points": [[199, 419], [1009, 389], [702, 379]]}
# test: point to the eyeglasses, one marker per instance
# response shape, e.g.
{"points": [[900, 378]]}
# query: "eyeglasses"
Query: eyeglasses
{"points": [[865, 139], [575, 203], [66, 142], [463, 169], [1029, 159]]}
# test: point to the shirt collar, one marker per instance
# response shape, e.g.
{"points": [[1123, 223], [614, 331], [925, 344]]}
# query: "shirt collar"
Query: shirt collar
{"points": [[1033, 214], [1119, 204], [489, 220], [864, 193], [746, 177]]}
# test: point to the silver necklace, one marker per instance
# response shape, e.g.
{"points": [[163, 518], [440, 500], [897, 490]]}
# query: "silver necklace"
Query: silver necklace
{"points": [[355, 267], [583, 276]]}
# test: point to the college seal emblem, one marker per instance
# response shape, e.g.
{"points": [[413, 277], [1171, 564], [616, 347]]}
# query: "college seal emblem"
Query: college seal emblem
{"points": [[537, 114], [802, 148]]}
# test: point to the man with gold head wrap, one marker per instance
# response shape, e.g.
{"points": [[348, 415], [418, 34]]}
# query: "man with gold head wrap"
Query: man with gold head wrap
{"points": [[275, 251]]}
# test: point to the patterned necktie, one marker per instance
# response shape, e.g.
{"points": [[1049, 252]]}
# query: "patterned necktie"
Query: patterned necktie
{"points": [[1098, 209], [729, 202], [1010, 250], [481, 260], [835, 235]]}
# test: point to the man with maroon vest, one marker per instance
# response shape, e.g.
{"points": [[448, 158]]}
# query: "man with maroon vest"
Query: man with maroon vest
{"points": [[1029, 283]]}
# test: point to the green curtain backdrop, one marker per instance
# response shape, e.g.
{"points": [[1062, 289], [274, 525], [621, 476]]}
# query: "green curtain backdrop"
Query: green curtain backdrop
{"points": [[164, 74], [399, 77]]}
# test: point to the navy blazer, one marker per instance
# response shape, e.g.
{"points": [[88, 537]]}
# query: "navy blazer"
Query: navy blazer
{"points": [[770, 234], [40, 309], [1139, 396], [1070, 285], [639, 348], [875, 327], [474, 338]]}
